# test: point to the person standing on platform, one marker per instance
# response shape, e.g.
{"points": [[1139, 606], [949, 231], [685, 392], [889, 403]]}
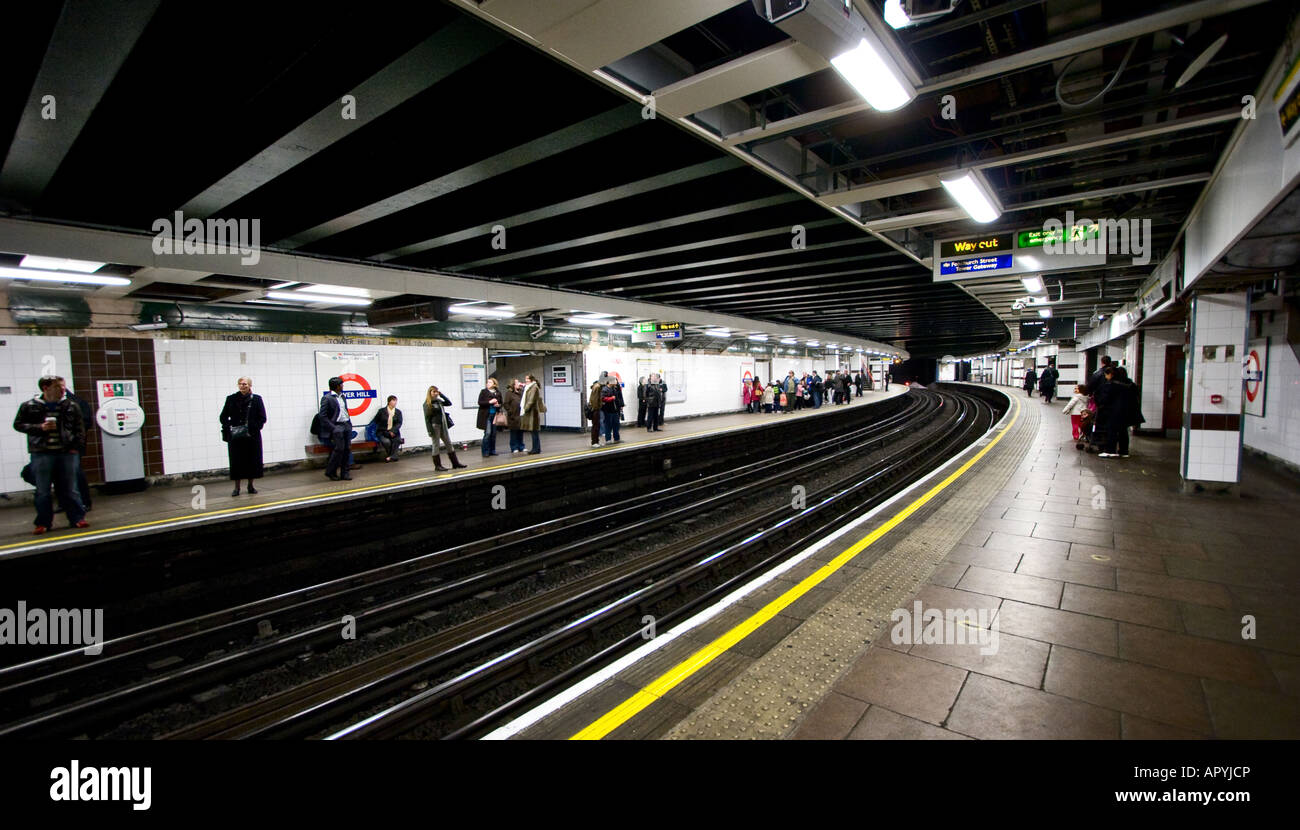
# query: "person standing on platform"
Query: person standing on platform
{"points": [[1098, 377], [640, 402], [652, 408], [885, 372], [789, 389], [769, 396], [857, 381], [510, 399], [438, 424], [88, 419], [531, 408], [54, 430], [746, 395], [1031, 380], [592, 410], [489, 404], [1047, 383], [663, 400], [336, 431], [818, 389], [242, 419], [388, 428], [609, 400]]}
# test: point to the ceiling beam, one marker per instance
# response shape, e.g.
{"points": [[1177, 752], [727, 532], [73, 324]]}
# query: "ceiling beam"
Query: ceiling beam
{"points": [[764, 69], [91, 42]]}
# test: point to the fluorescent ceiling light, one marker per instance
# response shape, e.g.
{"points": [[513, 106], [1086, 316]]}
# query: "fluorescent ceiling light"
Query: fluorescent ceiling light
{"points": [[60, 276], [812, 342], [620, 331], [50, 263], [333, 290], [759, 337], [718, 333], [974, 196], [1044, 312], [874, 77], [305, 297], [895, 16], [283, 285], [590, 314], [1032, 284], [789, 341], [482, 311], [589, 321]]}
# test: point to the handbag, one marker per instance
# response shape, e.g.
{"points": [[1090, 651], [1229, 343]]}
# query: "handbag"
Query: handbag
{"points": [[240, 432], [500, 418], [784, 400]]}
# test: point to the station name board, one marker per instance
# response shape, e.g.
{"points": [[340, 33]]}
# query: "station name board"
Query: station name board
{"points": [[976, 264]]}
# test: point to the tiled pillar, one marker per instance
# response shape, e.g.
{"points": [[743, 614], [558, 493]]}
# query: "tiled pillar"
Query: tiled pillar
{"points": [[1211, 451]]}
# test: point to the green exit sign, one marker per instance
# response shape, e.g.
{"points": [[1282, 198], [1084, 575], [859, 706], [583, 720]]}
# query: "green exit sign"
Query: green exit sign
{"points": [[1038, 238], [644, 327]]}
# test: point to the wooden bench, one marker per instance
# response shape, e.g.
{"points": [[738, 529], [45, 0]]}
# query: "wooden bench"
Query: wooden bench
{"points": [[317, 449]]}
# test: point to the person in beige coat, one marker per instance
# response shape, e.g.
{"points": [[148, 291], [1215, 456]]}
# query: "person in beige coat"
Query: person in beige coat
{"points": [[531, 408]]}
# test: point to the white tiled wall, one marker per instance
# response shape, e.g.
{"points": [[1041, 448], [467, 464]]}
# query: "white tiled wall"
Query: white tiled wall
{"points": [[195, 376], [23, 360], [1278, 432], [1212, 455], [1153, 372]]}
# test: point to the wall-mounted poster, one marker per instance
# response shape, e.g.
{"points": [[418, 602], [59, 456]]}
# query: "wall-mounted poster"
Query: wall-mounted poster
{"points": [[561, 374], [361, 382], [473, 377], [1255, 375], [676, 386]]}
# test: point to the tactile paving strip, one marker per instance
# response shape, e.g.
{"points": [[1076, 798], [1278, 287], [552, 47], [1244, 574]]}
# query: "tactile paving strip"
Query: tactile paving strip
{"points": [[771, 697]]}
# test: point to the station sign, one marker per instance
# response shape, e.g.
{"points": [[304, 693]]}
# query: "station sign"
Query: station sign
{"points": [[655, 331], [1011, 254], [1048, 328], [975, 245], [1039, 237]]}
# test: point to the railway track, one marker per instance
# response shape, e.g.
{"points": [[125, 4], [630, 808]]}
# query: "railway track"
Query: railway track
{"points": [[508, 642]]}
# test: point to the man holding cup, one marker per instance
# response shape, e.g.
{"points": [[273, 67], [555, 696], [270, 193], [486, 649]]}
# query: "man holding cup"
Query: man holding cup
{"points": [[54, 429]]}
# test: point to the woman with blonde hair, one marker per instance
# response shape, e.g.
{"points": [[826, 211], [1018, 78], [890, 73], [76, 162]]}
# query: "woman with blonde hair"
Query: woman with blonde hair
{"points": [[438, 423]]}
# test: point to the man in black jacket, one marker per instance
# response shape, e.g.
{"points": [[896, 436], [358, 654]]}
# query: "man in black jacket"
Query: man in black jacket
{"points": [[55, 433], [663, 398], [334, 417], [650, 406], [640, 402], [388, 426]]}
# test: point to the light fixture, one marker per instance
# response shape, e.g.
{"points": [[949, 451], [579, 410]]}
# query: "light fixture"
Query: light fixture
{"points": [[970, 191], [717, 333], [874, 76], [283, 285], [762, 338], [305, 297], [789, 341], [60, 276], [156, 325], [621, 331], [482, 311], [1044, 312], [812, 342], [590, 321], [590, 314], [50, 263], [1032, 284], [333, 290], [895, 16]]}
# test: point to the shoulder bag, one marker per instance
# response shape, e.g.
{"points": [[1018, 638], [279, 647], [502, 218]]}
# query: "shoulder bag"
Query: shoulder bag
{"points": [[239, 432]]}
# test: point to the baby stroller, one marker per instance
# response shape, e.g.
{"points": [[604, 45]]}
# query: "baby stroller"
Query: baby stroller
{"points": [[1089, 434]]}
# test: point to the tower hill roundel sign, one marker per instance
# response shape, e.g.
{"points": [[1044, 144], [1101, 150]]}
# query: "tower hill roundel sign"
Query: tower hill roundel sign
{"points": [[1254, 377], [358, 399]]}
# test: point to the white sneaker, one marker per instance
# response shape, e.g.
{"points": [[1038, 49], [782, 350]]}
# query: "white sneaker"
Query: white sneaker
{"points": [[595, 444], [1107, 455]]}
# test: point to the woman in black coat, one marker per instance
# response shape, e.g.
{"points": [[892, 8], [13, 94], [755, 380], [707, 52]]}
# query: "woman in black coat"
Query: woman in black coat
{"points": [[1031, 380], [242, 419]]}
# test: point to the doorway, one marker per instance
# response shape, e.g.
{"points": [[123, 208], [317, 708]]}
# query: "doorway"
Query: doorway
{"points": [[1171, 419]]}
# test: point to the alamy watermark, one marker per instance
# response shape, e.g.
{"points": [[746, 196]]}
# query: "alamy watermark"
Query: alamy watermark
{"points": [[55, 627], [1114, 237], [951, 626], [178, 235]]}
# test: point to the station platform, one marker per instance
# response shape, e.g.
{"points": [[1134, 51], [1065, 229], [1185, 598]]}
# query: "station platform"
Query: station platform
{"points": [[1112, 606], [174, 503]]}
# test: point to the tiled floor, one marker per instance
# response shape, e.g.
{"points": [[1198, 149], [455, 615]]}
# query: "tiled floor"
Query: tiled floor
{"points": [[1120, 606], [177, 500]]}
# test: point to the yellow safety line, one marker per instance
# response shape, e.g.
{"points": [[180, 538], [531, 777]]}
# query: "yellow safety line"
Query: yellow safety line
{"points": [[677, 674], [300, 499]]}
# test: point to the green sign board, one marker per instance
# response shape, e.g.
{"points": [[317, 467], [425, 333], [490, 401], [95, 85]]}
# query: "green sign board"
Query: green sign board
{"points": [[1038, 238]]}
